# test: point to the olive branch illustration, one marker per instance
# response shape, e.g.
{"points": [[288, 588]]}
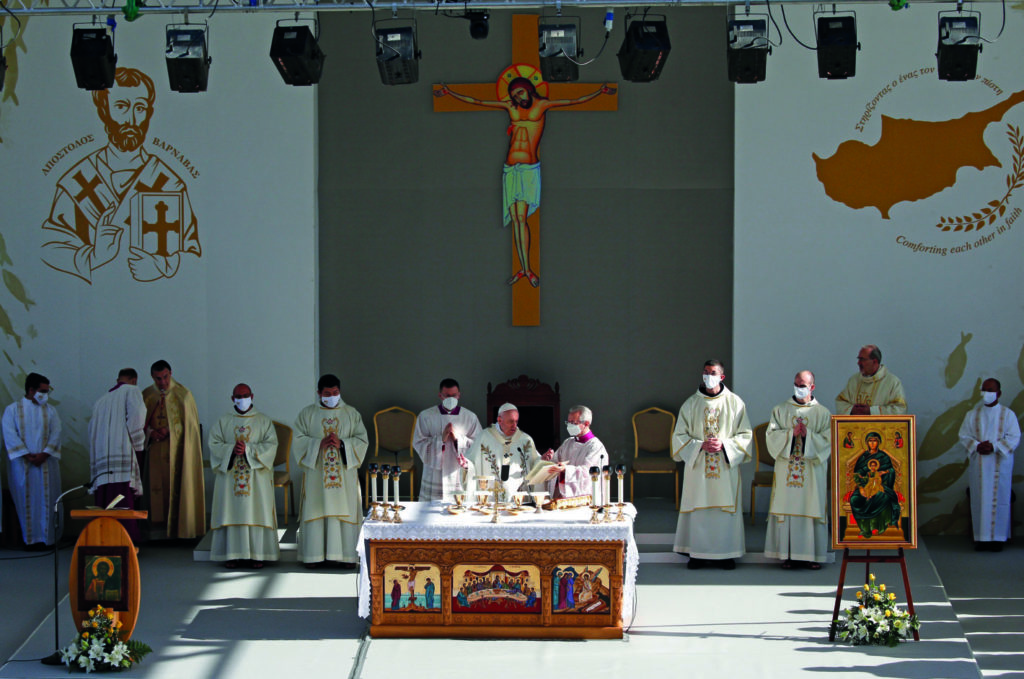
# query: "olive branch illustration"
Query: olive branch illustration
{"points": [[995, 208]]}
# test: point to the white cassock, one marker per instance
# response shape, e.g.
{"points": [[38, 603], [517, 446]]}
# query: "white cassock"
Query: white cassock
{"points": [[990, 476], [442, 474], [243, 517], [32, 428], [492, 449], [883, 391], [117, 429], [711, 508], [579, 457], [331, 505], [798, 515]]}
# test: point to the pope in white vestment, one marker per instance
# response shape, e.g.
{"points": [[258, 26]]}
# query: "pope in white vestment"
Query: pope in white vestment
{"points": [[443, 474], [243, 515], [31, 428], [990, 475], [798, 514], [503, 444], [710, 522], [331, 503], [872, 391]]}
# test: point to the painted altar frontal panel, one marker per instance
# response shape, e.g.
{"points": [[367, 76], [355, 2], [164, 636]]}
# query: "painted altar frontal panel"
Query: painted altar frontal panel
{"points": [[412, 588], [496, 588], [580, 588]]}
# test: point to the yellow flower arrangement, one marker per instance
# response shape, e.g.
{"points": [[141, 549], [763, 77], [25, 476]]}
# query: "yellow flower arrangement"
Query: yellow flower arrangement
{"points": [[875, 619], [104, 648]]}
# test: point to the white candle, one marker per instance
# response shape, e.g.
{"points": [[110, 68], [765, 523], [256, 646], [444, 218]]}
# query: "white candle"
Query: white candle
{"points": [[607, 489], [385, 487], [373, 488], [395, 477], [620, 489]]}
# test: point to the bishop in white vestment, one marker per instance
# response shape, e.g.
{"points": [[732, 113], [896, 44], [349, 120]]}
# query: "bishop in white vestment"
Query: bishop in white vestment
{"points": [[330, 444], [503, 444], [990, 433], [443, 436], [799, 439], [712, 437], [574, 458], [243, 518], [31, 431]]}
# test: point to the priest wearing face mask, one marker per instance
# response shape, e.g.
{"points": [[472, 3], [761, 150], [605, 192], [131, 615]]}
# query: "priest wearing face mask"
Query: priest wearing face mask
{"points": [[330, 443], [503, 448], [243, 519], [712, 438], [31, 430], [570, 475], [799, 439], [990, 433], [443, 436]]}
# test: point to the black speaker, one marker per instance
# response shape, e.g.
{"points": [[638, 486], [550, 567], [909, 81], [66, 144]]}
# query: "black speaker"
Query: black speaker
{"points": [[188, 64], [644, 51], [747, 50], [298, 57], [397, 56], [837, 47], [93, 58], [558, 48], [959, 44]]}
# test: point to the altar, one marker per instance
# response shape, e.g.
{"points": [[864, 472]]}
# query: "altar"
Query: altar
{"points": [[549, 575]]}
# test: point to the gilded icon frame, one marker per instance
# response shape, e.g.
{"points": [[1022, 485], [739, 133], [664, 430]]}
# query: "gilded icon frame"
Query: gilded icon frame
{"points": [[874, 488]]}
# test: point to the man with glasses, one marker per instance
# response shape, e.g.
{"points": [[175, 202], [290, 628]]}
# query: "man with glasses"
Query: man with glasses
{"points": [[570, 475]]}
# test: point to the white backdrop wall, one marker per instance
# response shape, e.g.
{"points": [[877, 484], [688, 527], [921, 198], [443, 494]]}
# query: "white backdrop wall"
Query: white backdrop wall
{"points": [[816, 278], [245, 310]]}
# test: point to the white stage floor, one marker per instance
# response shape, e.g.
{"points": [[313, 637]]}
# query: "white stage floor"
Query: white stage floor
{"points": [[204, 621]]}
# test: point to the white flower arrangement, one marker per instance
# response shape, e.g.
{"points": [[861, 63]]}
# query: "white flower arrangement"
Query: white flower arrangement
{"points": [[100, 647], [876, 619]]}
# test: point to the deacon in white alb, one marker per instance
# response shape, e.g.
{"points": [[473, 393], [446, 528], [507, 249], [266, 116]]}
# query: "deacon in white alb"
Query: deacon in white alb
{"points": [[503, 444], [574, 458], [443, 436], [243, 519], [799, 439], [31, 430], [712, 437], [990, 433], [330, 443]]}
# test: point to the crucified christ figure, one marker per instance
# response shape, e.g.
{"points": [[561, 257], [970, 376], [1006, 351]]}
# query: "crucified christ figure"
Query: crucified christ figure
{"points": [[526, 109]]}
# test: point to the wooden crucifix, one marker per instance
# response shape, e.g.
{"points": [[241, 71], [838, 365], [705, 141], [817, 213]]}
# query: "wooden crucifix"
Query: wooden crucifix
{"points": [[522, 92]]}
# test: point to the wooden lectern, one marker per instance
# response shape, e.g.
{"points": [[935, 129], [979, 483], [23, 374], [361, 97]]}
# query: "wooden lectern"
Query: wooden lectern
{"points": [[105, 568]]}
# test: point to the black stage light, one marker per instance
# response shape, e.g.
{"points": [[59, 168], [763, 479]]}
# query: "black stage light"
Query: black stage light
{"points": [[188, 60], [837, 47], [959, 45], [558, 52], [478, 26], [747, 49], [93, 58], [397, 55], [297, 55], [644, 50]]}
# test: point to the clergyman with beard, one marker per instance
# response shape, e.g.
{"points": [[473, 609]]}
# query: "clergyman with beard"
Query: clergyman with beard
{"points": [[121, 198]]}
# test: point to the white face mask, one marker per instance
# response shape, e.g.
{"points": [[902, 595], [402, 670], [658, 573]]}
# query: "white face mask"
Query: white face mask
{"points": [[450, 403], [41, 397], [573, 429], [712, 381], [801, 392], [990, 397], [331, 401], [243, 404]]}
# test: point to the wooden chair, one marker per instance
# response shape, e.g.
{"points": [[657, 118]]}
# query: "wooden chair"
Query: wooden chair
{"points": [[283, 478], [393, 429], [652, 435], [539, 408], [762, 479]]}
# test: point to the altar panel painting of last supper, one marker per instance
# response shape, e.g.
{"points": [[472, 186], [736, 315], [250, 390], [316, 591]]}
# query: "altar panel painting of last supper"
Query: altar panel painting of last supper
{"points": [[499, 588], [874, 482]]}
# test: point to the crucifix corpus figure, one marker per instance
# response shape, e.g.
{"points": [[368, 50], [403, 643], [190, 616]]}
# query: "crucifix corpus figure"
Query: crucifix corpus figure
{"points": [[526, 103]]}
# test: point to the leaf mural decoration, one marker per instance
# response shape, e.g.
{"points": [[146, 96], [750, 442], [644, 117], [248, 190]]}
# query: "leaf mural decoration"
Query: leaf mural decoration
{"points": [[986, 215], [1020, 365], [1017, 406], [957, 361], [7, 327], [945, 430], [17, 288], [5, 259], [943, 477], [927, 499], [956, 522]]}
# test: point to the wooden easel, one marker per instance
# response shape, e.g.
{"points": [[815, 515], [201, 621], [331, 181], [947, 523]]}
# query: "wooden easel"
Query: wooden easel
{"points": [[867, 559]]}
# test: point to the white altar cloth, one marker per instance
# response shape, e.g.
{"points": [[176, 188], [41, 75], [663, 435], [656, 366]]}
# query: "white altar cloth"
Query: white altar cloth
{"points": [[430, 521]]}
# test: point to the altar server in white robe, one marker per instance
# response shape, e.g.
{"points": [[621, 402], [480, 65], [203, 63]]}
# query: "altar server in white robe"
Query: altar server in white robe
{"points": [[712, 437], [117, 437], [503, 443], [873, 390], [570, 475], [799, 439], [330, 443], [243, 518], [990, 433], [443, 436], [31, 430]]}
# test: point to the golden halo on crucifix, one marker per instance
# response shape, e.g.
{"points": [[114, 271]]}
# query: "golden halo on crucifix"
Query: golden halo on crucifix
{"points": [[521, 71]]}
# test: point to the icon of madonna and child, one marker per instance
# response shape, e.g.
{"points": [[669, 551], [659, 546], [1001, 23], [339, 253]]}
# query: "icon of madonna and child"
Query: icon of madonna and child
{"points": [[874, 493]]}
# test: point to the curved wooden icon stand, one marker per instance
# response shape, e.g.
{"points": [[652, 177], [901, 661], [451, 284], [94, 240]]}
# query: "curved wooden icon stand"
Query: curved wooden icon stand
{"points": [[104, 543]]}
